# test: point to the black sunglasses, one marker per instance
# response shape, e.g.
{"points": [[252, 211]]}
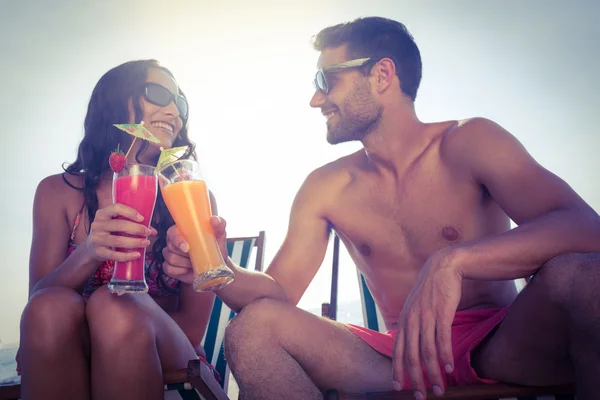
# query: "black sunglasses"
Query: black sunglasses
{"points": [[321, 75], [161, 96]]}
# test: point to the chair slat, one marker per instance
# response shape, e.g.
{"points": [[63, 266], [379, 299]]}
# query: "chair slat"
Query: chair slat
{"points": [[240, 251]]}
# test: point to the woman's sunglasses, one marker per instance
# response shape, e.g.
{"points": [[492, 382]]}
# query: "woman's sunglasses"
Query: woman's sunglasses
{"points": [[321, 75], [161, 96]]}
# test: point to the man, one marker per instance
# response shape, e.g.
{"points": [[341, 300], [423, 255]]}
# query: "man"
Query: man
{"points": [[424, 210]]}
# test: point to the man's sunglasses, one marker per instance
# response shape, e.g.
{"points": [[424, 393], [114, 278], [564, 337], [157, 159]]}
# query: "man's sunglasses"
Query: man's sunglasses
{"points": [[161, 96], [321, 75]]}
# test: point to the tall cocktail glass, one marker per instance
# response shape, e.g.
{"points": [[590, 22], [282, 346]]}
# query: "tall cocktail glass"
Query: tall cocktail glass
{"points": [[185, 192], [135, 186]]}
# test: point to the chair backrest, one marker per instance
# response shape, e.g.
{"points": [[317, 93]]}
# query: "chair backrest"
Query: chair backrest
{"points": [[371, 315], [240, 252], [372, 318]]}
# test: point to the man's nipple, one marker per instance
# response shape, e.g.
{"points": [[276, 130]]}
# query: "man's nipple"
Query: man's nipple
{"points": [[450, 233], [365, 250]]}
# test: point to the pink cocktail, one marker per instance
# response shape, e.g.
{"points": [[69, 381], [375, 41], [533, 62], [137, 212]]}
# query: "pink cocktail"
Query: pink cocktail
{"points": [[135, 187]]}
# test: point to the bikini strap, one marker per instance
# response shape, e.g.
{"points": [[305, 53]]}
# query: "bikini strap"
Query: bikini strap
{"points": [[78, 218], [76, 225]]}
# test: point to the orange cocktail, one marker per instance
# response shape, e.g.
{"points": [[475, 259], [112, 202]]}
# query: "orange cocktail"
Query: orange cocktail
{"points": [[186, 196]]}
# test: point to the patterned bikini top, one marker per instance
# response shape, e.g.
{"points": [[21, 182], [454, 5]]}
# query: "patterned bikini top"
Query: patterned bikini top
{"points": [[159, 284]]}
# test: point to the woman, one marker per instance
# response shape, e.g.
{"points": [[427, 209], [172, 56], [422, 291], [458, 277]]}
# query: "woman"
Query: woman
{"points": [[78, 340]]}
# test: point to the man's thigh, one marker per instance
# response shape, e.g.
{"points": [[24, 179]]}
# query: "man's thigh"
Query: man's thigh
{"points": [[531, 344], [331, 355]]}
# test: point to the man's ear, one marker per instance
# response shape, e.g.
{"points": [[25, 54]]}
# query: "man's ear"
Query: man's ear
{"points": [[385, 72]]}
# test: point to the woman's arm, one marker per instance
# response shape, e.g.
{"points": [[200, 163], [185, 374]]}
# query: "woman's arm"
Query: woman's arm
{"points": [[51, 232], [50, 241]]}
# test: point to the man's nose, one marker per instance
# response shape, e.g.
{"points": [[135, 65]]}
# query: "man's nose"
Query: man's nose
{"points": [[318, 99]]}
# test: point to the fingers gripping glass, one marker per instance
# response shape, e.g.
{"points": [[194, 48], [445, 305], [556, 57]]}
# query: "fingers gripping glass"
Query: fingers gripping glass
{"points": [[161, 96], [321, 75]]}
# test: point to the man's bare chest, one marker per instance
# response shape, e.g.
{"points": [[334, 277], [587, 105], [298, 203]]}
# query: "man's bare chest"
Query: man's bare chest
{"points": [[409, 221]]}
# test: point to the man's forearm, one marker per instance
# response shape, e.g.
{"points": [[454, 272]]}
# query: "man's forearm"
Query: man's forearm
{"points": [[521, 251], [249, 286]]}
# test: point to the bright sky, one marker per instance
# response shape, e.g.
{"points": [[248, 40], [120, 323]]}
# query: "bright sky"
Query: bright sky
{"points": [[247, 68]]}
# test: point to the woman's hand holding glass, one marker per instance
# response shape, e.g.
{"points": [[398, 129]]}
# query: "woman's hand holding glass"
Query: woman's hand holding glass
{"points": [[102, 240]]}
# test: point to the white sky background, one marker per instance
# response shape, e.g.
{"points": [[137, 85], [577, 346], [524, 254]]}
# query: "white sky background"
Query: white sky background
{"points": [[247, 69]]}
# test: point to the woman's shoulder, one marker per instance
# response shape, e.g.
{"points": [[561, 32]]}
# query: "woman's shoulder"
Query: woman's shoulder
{"points": [[64, 188]]}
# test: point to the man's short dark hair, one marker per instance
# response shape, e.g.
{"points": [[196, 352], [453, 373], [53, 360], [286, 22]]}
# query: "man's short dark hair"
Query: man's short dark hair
{"points": [[377, 38]]}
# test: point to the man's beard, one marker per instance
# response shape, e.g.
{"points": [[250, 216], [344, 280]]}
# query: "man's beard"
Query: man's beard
{"points": [[352, 128], [358, 116]]}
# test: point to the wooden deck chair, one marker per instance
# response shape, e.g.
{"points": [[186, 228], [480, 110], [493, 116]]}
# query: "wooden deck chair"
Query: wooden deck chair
{"points": [[373, 320], [197, 380]]}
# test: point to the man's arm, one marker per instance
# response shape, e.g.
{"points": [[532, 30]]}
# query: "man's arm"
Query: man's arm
{"points": [[552, 219], [299, 258], [294, 266]]}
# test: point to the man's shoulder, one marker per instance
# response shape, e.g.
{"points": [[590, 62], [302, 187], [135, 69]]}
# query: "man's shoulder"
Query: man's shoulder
{"points": [[337, 170], [465, 128], [468, 135], [323, 184]]}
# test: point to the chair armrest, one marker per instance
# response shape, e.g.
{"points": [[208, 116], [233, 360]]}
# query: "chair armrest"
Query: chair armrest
{"points": [[176, 376], [11, 392], [202, 378]]}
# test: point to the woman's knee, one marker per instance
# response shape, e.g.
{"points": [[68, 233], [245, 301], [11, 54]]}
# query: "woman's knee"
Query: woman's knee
{"points": [[115, 321], [52, 315], [104, 307]]}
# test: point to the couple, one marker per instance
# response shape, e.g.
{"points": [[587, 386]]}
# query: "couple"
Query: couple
{"points": [[424, 210]]}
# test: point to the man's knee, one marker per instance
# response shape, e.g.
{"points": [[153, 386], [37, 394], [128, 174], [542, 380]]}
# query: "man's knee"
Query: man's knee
{"points": [[571, 280], [261, 314], [254, 326], [255, 319], [560, 272]]}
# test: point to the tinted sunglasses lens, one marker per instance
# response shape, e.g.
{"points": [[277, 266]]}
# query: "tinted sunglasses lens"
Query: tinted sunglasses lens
{"points": [[321, 82], [158, 95], [162, 97], [182, 106]]}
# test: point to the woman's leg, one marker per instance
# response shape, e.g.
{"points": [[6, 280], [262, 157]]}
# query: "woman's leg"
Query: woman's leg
{"points": [[132, 341], [54, 347]]}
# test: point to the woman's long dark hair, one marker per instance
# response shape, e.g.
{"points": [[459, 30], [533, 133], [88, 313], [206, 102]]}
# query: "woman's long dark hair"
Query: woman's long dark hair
{"points": [[109, 105]]}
